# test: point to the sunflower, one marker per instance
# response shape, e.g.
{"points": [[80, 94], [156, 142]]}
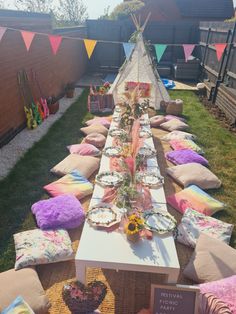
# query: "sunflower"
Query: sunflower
{"points": [[131, 228]]}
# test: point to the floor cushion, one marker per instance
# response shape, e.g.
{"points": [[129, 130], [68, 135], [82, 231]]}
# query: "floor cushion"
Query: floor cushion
{"points": [[34, 247], [185, 156], [84, 149], [212, 260], [156, 121], [86, 165], [223, 289], [24, 282], [73, 183], [194, 173], [95, 139], [185, 144], [97, 128], [99, 120], [194, 223], [18, 306], [169, 117], [195, 198], [177, 135], [208, 303], [63, 211], [173, 125]]}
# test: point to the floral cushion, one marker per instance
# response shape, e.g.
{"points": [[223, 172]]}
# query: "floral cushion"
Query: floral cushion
{"points": [[86, 165], [84, 149], [194, 173], [95, 139], [212, 260], [223, 289], [173, 125], [34, 247], [64, 211], [185, 144], [18, 306], [99, 120], [185, 156], [73, 183], [193, 223], [193, 197], [156, 121], [97, 128], [177, 135]]}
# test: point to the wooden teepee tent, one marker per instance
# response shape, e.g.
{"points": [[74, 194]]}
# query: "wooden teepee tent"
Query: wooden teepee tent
{"points": [[139, 68]]}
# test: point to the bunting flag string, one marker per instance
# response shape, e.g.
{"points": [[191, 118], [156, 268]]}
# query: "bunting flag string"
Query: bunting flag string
{"points": [[28, 38], [2, 32], [90, 45], [160, 49], [220, 48], [128, 49], [55, 42], [188, 49]]}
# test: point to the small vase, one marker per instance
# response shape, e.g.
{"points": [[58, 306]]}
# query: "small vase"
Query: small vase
{"points": [[133, 237]]}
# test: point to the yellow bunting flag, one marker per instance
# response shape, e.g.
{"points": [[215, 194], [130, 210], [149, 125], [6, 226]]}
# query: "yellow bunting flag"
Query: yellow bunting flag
{"points": [[90, 45]]}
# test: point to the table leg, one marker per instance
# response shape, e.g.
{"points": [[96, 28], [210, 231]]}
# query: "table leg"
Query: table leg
{"points": [[172, 277], [81, 272]]}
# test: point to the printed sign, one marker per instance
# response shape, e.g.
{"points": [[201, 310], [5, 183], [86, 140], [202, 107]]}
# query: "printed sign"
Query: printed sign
{"points": [[177, 299]]}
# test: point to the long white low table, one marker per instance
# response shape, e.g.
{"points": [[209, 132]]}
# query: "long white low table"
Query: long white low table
{"points": [[112, 250]]}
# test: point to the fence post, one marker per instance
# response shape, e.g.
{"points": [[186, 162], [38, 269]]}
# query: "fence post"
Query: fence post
{"points": [[206, 47], [219, 77]]}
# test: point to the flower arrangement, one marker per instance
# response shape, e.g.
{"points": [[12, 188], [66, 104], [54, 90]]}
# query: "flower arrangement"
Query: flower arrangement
{"points": [[135, 223]]}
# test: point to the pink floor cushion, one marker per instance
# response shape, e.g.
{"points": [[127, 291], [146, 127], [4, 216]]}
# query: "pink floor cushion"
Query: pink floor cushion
{"points": [[177, 135], [84, 149], [72, 183], [181, 144], [208, 303], [64, 211], [156, 121], [193, 223], [95, 139], [101, 120], [195, 198], [224, 290], [185, 156], [169, 117]]}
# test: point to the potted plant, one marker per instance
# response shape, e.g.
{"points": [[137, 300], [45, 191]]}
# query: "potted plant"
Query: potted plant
{"points": [[70, 90], [53, 104]]}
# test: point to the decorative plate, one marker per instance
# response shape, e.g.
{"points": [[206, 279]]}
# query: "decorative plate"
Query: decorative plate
{"points": [[159, 221], [116, 119], [147, 152], [145, 133], [144, 121], [150, 179], [103, 215], [117, 132], [112, 151], [117, 109], [109, 178]]}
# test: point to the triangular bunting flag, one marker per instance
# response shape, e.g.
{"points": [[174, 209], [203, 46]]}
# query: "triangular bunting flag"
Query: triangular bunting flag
{"points": [[128, 48], [188, 49], [160, 49], [220, 48], [27, 37], [55, 42], [2, 32], [90, 45]]}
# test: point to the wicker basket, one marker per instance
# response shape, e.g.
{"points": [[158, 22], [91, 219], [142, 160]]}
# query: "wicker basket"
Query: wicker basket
{"points": [[53, 108], [175, 107]]}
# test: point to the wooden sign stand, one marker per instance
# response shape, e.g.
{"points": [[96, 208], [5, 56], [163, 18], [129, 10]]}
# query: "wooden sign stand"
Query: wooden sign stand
{"points": [[176, 299]]}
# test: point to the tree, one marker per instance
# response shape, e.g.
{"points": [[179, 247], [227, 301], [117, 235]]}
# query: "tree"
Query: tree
{"points": [[72, 12], [41, 6], [105, 15], [123, 10]]}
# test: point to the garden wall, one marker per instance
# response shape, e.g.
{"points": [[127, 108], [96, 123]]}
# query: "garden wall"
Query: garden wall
{"points": [[53, 73]]}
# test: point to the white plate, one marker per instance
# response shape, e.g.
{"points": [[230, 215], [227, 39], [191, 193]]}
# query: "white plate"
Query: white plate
{"points": [[109, 178]]}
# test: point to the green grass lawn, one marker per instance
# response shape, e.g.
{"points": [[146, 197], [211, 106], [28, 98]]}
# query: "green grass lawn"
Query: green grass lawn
{"points": [[23, 186]]}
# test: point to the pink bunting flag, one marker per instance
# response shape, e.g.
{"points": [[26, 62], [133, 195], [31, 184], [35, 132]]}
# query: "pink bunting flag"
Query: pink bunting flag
{"points": [[188, 49], [28, 38], [2, 32], [220, 48], [55, 42]]}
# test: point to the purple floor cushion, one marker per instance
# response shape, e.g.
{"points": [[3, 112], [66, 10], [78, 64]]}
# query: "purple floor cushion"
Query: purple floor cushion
{"points": [[64, 211], [185, 156]]}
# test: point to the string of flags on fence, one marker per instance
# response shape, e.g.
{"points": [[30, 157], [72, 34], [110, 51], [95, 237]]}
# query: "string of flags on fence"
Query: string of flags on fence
{"points": [[90, 44]]}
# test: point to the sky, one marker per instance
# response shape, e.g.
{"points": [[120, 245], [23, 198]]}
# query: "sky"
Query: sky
{"points": [[95, 8]]}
